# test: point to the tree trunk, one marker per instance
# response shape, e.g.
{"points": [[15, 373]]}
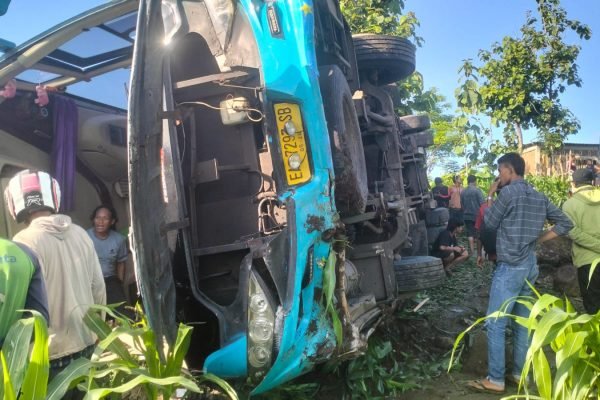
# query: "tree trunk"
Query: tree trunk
{"points": [[519, 137]]}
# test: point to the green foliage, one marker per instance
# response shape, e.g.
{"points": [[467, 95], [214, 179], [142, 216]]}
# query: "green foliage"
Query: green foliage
{"points": [[381, 17], [520, 80], [24, 362], [328, 291], [289, 391], [126, 359], [382, 373], [24, 366], [137, 364], [570, 338], [484, 173], [376, 374], [556, 188]]}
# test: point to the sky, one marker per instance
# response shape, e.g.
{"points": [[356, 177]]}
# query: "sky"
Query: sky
{"points": [[453, 30]]}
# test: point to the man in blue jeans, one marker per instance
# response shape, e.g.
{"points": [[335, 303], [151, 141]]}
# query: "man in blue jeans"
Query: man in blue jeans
{"points": [[518, 215]]}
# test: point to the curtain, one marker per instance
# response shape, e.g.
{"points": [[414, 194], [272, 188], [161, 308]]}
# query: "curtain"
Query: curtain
{"points": [[64, 149]]}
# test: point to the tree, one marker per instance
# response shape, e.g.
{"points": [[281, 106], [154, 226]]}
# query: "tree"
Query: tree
{"points": [[520, 80], [382, 17], [386, 17]]}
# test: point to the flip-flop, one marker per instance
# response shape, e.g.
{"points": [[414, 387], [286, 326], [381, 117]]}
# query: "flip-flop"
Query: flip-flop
{"points": [[479, 385]]}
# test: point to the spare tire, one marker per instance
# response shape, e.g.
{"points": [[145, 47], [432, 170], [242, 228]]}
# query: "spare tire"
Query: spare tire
{"points": [[418, 237], [433, 232], [418, 273], [414, 123], [437, 217], [391, 57], [347, 150]]}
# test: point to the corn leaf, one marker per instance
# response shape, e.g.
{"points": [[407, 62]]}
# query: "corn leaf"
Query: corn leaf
{"points": [[179, 350], [328, 289], [542, 305], [180, 381], [329, 279], [461, 335], [76, 370], [566, 358], [541, 373], [544, 333], [151, 354], [36, 378], [97, 325], [114, 336], [9, 392], [16, 350], [229, 391], [583, 375]]}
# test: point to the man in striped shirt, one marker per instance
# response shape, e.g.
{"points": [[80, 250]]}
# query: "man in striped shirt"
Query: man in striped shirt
{"points": [[518, 214]]}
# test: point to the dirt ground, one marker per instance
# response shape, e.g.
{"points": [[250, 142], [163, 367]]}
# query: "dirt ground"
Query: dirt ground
{"points": [[451, 309]]}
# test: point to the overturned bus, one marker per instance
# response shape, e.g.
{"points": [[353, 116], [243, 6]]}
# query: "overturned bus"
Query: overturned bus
{"points": [[276, 199]]}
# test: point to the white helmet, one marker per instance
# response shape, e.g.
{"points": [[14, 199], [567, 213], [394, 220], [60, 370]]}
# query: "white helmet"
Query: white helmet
{"points": [[30, 191]]}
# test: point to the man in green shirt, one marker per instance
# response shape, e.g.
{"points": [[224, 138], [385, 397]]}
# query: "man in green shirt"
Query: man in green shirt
{"points": [[583, 208], [21, 284]]}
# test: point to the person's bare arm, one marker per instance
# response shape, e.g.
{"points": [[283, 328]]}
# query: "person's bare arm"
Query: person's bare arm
{"points": [[548, 235]]}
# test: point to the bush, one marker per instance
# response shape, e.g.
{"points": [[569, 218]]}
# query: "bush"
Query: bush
{"points": [[554, 187]]}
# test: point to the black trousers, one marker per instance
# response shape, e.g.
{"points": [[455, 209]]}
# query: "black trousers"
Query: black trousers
{"points": [[589, 293], [116, 294]]}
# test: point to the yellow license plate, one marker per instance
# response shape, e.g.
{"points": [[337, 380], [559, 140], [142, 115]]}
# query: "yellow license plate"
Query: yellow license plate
{"points": [[293, 145]]}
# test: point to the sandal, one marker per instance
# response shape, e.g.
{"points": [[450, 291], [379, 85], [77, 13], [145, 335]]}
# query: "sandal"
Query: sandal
{"points": [[485, 386]]}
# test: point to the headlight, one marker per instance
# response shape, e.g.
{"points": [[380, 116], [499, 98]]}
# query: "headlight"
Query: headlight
{"points": [[259, 356], [260, 330], [261, 322], [258, 303]]}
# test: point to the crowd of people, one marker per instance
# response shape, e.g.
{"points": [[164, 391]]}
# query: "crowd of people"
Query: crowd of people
{"points": [[57, 268], [505, 227]]}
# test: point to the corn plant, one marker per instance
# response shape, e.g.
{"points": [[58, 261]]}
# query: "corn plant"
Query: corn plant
{"points": [[117, 368], [25, 366], [572, 338]]}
